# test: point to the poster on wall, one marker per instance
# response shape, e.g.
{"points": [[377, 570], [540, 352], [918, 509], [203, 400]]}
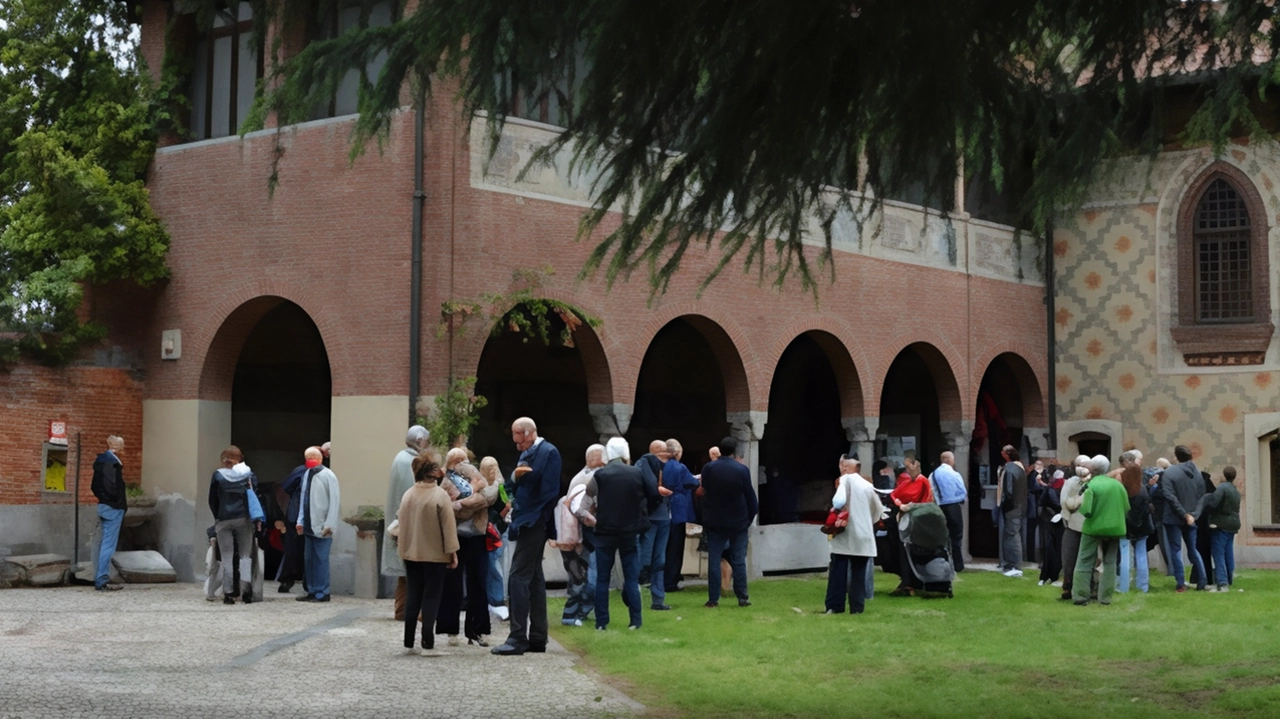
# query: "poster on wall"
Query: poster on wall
{"points": [[58, 432]]}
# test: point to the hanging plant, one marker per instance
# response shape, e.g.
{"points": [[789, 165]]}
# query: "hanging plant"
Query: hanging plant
{"points": [[519, 311]]}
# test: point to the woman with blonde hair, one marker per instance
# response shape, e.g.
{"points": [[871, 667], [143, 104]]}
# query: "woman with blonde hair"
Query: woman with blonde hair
{"points": [[470, 495], [427, 539], [498, 511]]}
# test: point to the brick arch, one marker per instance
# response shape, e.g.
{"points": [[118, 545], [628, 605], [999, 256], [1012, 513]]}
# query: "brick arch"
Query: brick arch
{"points": [[1031, 384], [944, 366], [216, 345], [838, 345], [737, 362], [590, 341]]}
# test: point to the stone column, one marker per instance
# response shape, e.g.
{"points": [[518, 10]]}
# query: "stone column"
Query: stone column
{"points": [[748, 428], [861, 431], [610, 420], [957, 435]]}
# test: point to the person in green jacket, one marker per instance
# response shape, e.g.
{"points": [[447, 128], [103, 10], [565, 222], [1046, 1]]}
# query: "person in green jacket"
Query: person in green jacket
{"points": [[1223, 507], [1105, 504]]}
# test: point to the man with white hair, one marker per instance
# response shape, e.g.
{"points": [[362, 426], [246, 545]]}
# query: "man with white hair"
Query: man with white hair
{"points": [[317, 521], [108, 487], [623, 503], [533, 487], [1105, 504], [677, 478], [853, 549], [579, 561], [416, 440]]}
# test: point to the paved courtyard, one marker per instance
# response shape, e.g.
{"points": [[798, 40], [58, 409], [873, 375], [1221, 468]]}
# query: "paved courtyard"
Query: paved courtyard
{"points": [[163, 651]]}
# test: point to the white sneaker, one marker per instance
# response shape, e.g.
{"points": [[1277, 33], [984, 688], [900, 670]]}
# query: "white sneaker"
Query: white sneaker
{"points": [[1040, 583], [500, 612], [454, 640], [1015, 572]]}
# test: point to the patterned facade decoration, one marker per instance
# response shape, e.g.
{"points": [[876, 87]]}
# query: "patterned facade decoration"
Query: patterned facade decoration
{"points": [[1118, 365]]}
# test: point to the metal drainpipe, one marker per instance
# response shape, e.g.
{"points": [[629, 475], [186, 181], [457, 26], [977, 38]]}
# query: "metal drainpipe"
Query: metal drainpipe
{"points": [[1051, 333], [415, 281]]}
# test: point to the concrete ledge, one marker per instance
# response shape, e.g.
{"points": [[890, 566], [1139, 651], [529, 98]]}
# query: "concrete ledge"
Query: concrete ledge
{"points": [[789, 548], [35, 570]]}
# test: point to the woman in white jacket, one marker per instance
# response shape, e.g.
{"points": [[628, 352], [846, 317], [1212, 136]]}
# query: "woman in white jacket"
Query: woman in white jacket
{"points": [[854, 548]]}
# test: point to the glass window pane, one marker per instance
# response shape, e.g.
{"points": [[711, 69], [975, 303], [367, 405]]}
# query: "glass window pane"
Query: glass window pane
{"points": [[199, 89], [221, 125], [246, 78]]}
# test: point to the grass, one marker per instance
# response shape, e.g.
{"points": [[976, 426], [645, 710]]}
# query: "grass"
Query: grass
{"points": [[1001, 648]]}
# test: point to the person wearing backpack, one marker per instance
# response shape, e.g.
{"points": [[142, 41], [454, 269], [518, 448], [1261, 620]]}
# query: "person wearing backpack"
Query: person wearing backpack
{"points": [[236, 513]]}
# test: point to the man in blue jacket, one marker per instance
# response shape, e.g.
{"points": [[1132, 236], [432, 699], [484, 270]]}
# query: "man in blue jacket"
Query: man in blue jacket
{"points": [[677, 478], [533, 487], [728, 509]]}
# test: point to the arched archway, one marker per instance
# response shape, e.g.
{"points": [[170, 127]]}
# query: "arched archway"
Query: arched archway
{"points": [[1008, 402], [690, 380], [553, 382], [814, 386], [919, 394]]}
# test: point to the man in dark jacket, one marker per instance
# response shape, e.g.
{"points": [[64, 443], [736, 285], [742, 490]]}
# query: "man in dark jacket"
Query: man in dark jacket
{"points": [[728, 509], [108, 487], [1013, 503], [534, 487], [1182, 488], [624, 500], [293, 567], [653, 543]]}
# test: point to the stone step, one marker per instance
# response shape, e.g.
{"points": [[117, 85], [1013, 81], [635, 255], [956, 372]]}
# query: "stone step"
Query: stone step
{"points": [[144, 567], [35, 570]]}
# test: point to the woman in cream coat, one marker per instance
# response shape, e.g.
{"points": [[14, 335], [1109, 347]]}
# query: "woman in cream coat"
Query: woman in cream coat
{"points": [[852, 549], [427, 539]]}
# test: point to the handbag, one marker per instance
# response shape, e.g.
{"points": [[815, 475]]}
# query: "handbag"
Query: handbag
{"points": [[837, 522]]}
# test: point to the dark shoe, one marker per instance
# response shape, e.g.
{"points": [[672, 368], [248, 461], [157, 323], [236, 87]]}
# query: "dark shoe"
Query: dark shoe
{"points": [[1181, 589], [1066, 597], [507, 650], [325, 598], [286, 586], [661, 608], [247, 598], [477, 641], [1105, 604], [674, 589], [1081, 602], [537, 649], [644, 577], [228, 600], [305, 598], [109, 587], [743, 603], [711, 605], [1201, 588], [901, 592]]}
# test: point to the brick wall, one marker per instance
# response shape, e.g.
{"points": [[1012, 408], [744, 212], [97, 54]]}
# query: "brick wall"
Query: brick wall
{"points": [[93, 401]]}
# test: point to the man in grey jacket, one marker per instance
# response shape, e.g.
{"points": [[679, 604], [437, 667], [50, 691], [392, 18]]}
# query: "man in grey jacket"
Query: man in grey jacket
{"points": [[317, 520], [1182, 488], [401, 480]]}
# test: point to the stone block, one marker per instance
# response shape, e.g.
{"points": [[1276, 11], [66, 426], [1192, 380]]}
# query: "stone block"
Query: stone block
{"points": [[35, 570], [145, 567]]}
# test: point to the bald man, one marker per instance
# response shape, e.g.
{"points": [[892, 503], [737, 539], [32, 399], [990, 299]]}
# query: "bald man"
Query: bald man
{"points": [[653, 543], [949, 489], [317, 521], [533, 487]]}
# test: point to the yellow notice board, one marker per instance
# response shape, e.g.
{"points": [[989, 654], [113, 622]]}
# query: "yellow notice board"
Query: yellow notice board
{"points": [[55, 469]]}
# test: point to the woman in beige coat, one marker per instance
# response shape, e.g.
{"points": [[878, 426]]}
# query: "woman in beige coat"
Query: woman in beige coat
{"points": [[427, 541], [470, 496]]}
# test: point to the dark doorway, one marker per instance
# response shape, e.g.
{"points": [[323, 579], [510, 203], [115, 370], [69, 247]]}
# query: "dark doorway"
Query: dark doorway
{"points": [[803, 439], [522, 376], [280, 399], [998, 423], [910, 418], [679, 394], [1093, 444]]}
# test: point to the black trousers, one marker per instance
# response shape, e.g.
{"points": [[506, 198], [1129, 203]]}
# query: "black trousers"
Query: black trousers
{"points": [[847, 578], [954, 513], [473, 570], [294, 568], [527, 589], [675, 556], [425, 582], [1051, 565]]}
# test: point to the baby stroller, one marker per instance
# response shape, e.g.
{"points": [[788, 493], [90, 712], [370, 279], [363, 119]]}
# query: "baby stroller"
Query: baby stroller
{"points": [[927, 545]]}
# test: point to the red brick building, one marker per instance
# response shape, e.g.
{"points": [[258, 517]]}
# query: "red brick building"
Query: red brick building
{"points": [[288, 315]]}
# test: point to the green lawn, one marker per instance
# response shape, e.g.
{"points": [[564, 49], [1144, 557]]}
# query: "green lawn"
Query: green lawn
{"points": [[1001, 648]]}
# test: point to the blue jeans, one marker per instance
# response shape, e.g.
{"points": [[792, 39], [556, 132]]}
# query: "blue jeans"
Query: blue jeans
{"points": [[318, 565], [653, 554], [607, 547], [493, 584], [737, 543], [1224, 556], [1178, 534], [111, 520], [1139, 548], [847, 578]]}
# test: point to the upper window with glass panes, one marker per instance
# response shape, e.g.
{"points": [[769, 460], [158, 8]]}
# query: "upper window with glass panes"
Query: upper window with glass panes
{"points": [[226, 70], [340, 18]]}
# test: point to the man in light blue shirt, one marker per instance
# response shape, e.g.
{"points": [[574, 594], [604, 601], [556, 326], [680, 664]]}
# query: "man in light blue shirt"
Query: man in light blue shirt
{"points": [[950, 492]]}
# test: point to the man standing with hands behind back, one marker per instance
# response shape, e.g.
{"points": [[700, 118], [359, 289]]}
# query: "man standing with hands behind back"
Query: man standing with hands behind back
{"points": [[534, 487]]}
